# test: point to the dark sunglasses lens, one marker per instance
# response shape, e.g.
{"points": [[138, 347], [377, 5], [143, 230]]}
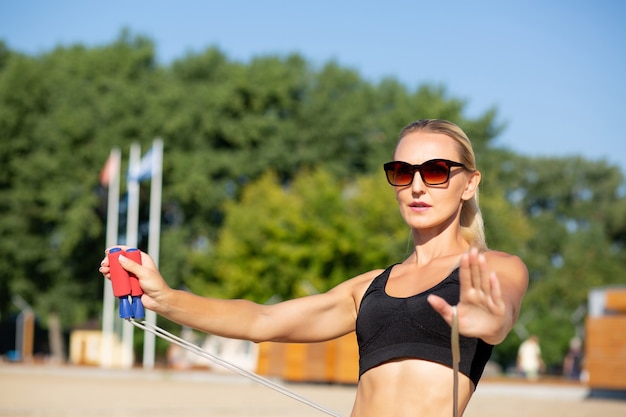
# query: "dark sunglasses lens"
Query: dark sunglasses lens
{"points": [[435, 172], [400, 173]]}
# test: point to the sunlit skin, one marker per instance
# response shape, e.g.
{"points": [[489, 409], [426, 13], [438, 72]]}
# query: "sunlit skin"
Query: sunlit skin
{"points": [[492, 287]]}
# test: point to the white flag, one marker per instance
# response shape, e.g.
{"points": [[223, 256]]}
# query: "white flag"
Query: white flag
{"points": [[144, 170]]}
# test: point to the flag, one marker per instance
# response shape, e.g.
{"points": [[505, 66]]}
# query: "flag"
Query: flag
{"points": [[111, 166], [143, 171]]}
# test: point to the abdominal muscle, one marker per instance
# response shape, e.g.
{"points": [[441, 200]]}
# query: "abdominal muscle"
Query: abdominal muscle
{"points": [[409, 388]]}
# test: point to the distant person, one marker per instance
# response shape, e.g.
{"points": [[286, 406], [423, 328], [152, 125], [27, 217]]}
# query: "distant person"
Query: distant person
{"points": [[529, 361], [572, 364], [401, 313]]}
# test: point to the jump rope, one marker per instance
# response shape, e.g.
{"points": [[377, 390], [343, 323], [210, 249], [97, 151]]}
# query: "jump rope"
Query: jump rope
{"points": [[126, 288]]}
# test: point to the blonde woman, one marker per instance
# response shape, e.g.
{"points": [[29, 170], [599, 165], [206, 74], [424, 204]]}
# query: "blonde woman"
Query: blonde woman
{"points": [[402, 314]]}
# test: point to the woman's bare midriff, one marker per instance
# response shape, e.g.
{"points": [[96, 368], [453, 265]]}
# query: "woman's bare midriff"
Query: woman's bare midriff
{"points": [[409, 388]]}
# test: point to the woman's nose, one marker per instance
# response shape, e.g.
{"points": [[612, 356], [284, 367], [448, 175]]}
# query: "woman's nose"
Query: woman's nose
{"points": [[418, 184]]}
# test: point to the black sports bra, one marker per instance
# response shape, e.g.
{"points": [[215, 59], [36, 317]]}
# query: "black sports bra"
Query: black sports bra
{"points": [[390, 328]]}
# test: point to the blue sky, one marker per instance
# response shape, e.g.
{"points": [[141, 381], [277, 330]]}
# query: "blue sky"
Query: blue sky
{"points": [[555, 70]]}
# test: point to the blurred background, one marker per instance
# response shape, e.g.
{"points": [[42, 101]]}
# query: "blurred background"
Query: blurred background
{"points": [[276, 119]]}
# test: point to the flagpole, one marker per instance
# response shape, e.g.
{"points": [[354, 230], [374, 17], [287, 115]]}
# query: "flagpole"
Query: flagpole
{"points": [[154, 241], [132, 229], [108, 303]]}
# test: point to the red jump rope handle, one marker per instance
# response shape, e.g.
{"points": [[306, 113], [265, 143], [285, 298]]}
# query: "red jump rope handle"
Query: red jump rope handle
{"points": [[135, 289], [121, 282], [119, 276], [134, 255]]}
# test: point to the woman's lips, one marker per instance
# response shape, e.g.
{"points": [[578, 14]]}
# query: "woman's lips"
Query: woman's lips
{"points": [[419, 205]]}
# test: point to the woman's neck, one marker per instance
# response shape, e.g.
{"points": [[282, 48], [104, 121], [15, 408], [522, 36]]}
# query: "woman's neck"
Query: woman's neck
{"points": [[442, 246]]}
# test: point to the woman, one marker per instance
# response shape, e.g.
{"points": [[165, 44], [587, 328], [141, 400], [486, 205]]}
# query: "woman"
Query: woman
{"points": [[402, 315]]}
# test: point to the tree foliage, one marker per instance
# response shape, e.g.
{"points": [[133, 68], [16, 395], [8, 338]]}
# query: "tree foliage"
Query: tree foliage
{"points": [[279, 242], [273, 184]]}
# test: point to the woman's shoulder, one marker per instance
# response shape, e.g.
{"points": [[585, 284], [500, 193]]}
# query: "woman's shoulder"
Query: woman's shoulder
{"points": [[366, 278], [506, 264], [357, 285], [500, 257]]}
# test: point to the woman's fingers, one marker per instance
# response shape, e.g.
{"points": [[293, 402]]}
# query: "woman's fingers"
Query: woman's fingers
{"points": [[475, 270], [474, 273], [496, 290], [126, 263], [485, 275], [441, 306]]}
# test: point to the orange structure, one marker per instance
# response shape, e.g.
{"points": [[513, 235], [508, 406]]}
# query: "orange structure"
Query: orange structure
{"points": [[335, 361], [605, 348]]}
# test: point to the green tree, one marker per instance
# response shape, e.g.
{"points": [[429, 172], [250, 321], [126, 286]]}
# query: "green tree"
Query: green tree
{"points": [[285, 241], [59, 115], [322, 133], [572, 204]]}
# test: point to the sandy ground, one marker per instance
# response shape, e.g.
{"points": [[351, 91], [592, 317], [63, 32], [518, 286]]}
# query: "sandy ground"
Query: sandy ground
{"points": [[68, 391]]}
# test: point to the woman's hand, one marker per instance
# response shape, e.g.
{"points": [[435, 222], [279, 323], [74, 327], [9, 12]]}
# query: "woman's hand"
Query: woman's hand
{"points": [[488, 306], [152, 283]]}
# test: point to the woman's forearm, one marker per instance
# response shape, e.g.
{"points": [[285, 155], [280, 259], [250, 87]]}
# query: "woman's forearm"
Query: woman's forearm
{"points": [[228, 318]]}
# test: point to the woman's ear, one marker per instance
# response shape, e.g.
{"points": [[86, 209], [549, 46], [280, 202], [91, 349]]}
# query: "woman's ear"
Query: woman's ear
{"points": [[472, 185]]}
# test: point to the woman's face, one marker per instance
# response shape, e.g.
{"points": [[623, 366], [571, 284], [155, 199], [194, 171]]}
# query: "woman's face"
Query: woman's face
{"points": [[433, 206]]}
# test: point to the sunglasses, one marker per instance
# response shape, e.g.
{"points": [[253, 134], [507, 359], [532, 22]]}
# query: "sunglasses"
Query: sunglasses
{"points": [[433, 172]]}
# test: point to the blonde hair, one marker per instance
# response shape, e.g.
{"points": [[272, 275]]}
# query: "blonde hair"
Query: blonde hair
{"points": [[472, 226]]}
